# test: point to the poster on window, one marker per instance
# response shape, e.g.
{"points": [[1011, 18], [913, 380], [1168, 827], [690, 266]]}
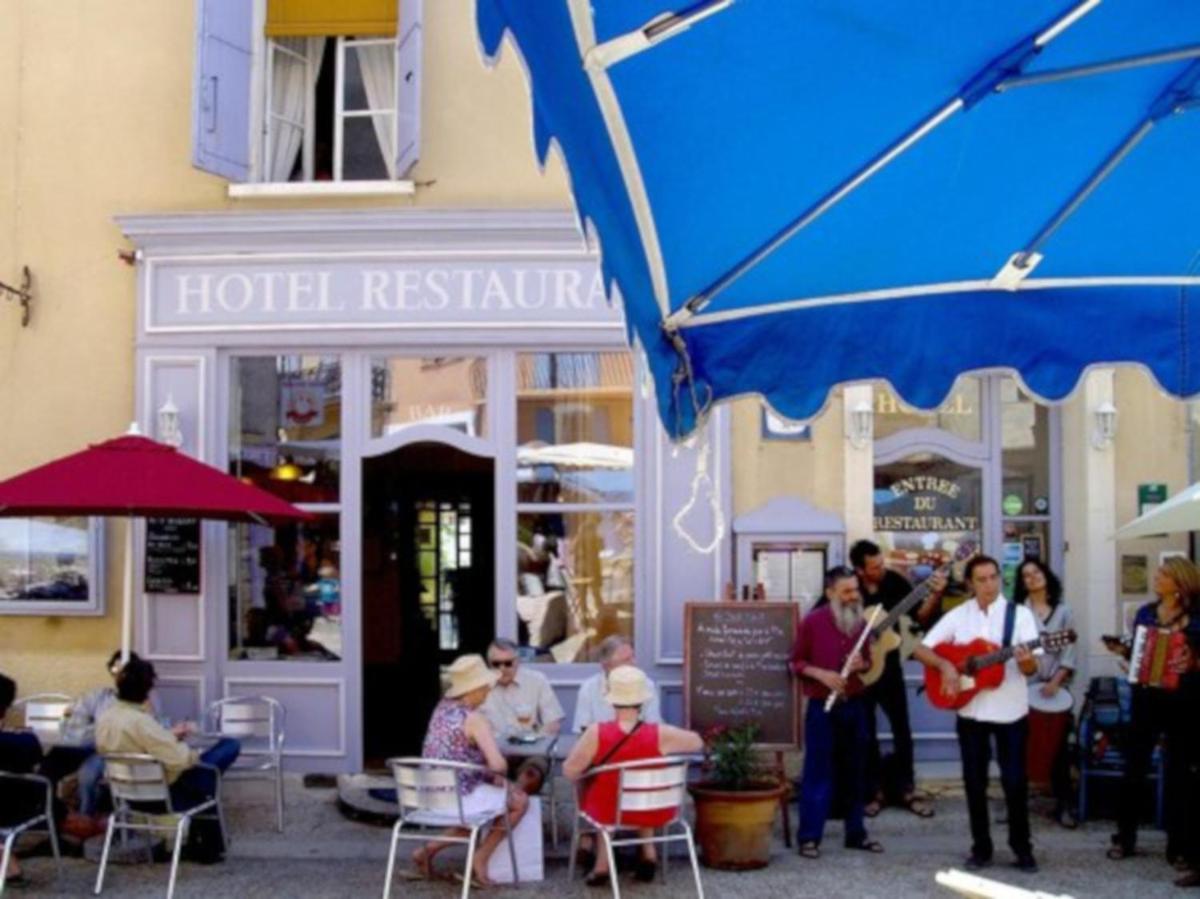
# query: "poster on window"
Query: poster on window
{"points": [[302, 404]]}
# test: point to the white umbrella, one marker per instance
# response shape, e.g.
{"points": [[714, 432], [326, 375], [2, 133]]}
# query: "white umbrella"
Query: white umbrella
{"points": [[1180, 513]]}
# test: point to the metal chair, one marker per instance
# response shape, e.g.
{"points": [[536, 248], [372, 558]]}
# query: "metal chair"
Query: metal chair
{"points": [[257, 722], [647, 785], [44, 714], [428, 795], [139, 788], [38, 821]]}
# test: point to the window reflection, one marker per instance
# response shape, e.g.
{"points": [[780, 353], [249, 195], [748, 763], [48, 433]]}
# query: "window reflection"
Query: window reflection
{"points": [[436, 390], [285, 425], [285, 591], [44, 559]]}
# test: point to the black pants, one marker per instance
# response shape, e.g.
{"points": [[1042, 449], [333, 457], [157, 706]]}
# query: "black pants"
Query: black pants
{"points": [[975, 743], [1155, 715], [890, 694]]}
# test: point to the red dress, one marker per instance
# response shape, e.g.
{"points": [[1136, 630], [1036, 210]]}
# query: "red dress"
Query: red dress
{"points": [[600, 795]]}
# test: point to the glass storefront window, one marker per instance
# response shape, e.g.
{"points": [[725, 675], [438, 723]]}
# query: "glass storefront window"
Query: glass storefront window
{"points": [[574, 582], [1025, 441], [926, 506], [575, 428], [960, 415], [443, 552], [441, 390], [44, 560], [285, 425], [285, 591]]}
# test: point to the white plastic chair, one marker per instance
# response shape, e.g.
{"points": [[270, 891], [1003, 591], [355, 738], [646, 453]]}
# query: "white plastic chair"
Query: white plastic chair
{"points": [[646, 785], [138, 782], [44, 714], [43, 820], [257, 722], [428, 795]]}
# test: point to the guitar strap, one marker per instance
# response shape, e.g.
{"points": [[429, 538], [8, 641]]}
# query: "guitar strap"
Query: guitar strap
{"points": [[1010, 620]]}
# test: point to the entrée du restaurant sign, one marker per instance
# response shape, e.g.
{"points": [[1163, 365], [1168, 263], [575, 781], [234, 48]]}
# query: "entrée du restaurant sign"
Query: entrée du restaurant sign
{"points": [[925, 503], [186, 294]]}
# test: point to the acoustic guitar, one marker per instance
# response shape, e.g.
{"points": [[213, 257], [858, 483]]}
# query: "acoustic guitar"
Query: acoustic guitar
{"points": [[980, 664], [886, 638]]}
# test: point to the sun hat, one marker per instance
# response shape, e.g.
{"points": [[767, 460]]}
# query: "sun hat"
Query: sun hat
{"points": [[627, 686], [467, 673]]}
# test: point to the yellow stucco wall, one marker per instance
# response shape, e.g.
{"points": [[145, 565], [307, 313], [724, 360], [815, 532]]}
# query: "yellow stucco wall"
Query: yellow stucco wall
{"points": [[95, 121]]}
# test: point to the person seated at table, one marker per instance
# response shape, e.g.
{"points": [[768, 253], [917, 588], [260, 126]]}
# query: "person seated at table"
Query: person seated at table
{"points": [[20, 753], [628, 738], [459, 732], [127, 727], [591, 706], [522, 701], [80, 755]]}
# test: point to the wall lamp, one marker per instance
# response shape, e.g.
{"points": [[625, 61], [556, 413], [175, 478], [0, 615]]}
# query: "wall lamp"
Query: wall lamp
{"points": [[23, 294], [169, 431], [860, 425], [1104, 425]]}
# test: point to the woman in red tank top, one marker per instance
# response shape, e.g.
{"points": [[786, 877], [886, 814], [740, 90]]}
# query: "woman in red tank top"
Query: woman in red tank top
{"points": [[626, 739]]}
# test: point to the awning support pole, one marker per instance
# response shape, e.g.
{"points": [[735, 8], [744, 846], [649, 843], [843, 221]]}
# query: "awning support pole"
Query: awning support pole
{"points": [[1051, 76]]}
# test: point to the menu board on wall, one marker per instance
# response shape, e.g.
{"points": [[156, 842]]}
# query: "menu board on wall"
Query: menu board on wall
{"points": [[736, 668], [172, 555]]}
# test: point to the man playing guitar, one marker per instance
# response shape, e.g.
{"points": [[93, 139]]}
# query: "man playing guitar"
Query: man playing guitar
{"points": [[881, 585], [1000, 714]]}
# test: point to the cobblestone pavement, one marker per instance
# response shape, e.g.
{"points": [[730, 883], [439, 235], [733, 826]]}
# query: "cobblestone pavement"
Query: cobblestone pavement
{"points": [[321, 854]]}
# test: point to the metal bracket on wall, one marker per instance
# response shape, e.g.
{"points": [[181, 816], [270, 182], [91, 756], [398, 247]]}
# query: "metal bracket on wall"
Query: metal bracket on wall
{"points": [[24, 294]]}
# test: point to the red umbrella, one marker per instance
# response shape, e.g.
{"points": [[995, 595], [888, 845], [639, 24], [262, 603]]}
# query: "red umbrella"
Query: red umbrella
{"points": [[137, 477]]}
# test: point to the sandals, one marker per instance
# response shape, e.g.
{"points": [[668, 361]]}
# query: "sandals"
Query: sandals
{"points": [[872, 846], [918, 806], [597, 880], [644, 870], [1117, 852], [809, 850]]}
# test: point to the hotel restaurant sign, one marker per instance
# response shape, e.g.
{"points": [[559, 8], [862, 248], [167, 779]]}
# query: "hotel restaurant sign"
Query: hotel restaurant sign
{"points": [[372, 291], [924, 503]]}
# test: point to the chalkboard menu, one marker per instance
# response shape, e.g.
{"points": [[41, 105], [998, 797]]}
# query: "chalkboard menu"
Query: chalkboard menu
{"points": [[736, 668], [172, 555]]}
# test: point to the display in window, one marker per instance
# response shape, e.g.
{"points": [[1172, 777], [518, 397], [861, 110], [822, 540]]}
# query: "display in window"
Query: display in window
{"points": [[44, 559]]}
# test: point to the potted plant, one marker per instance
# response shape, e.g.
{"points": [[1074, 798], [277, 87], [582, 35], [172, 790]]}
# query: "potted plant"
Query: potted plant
{"points": [[735, 805]]}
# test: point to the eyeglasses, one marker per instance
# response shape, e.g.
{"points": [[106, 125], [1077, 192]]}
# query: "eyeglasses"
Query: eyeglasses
{"points": [[502, 663]]}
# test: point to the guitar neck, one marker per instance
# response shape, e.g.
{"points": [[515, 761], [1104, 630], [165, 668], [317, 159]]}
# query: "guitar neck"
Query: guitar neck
{"points": [[1002, 655], [915, 598]]}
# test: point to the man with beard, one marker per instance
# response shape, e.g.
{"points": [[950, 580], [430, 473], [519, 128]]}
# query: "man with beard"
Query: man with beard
{"points": [[825, 638], [881, 585]]}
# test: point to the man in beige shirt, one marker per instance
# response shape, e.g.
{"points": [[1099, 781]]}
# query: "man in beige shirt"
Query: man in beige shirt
{"points": [[521, 701], [126, 727]]}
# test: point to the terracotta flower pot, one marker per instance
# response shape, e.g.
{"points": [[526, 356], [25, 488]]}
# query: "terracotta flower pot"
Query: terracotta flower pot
{"points": [[733, 827]]}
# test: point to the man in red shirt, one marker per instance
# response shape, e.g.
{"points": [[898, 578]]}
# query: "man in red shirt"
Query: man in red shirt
{"points": [[825, 638]]}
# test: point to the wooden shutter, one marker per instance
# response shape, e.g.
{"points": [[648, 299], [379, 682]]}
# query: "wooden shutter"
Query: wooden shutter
{"points": [[221, 107], [408, 83], [316, 18]]}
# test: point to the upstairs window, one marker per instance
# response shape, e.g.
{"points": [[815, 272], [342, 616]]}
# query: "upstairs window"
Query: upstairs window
{"points": [[308, 90]]}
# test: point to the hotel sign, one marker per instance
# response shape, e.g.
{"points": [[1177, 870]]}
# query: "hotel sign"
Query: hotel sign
{"points": [[371, 291]]}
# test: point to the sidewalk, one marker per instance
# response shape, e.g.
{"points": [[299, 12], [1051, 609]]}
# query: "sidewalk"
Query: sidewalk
{"points": [[322, 854]]}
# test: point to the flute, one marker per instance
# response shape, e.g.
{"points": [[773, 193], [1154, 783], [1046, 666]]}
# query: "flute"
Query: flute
{"points": [[874, 613]]}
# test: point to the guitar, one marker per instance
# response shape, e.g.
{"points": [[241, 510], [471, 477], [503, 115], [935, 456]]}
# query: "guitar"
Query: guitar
{"points": [[887, 639], [981, 666]]}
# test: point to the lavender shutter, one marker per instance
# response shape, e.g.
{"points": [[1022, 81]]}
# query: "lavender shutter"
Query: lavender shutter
{"points": [[224, 63], [408, 85]]}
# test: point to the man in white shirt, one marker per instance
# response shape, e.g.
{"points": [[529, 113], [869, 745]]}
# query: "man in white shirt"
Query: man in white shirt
{"points": [[590, 706], [1001, 713]]}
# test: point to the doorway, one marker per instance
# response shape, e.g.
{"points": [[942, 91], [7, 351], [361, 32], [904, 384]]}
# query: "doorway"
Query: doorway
{"points": [[428, 595]]}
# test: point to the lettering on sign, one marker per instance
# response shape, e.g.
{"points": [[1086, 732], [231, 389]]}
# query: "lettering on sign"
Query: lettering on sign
{"points": [[926, 503], [736, 668], [348, 293]]}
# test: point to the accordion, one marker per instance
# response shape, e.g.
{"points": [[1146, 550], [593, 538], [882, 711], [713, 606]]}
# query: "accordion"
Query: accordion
{"points": [[1153, 651]]}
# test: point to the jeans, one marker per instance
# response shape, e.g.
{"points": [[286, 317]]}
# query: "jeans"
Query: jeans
{"points": [[890, 694], [91, 773], [197, 785], [840, 734], [975, 744]]}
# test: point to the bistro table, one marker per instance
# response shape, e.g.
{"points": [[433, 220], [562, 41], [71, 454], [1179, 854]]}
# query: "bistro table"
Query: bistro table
{"points": [[553, 749]]}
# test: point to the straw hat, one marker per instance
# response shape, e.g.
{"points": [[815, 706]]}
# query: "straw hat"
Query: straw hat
{"points": [[627, 686], [467, 673]]}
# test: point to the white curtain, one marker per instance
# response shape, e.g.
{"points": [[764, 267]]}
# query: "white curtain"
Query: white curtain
{"points": [[290, 88], [378, 65]]}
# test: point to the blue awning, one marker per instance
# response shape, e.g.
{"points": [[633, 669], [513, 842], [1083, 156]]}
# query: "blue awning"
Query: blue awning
{"points": [[796, 195]]}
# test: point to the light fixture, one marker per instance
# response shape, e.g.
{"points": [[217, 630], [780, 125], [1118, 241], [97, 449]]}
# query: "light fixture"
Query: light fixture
{"points": [[860, 425], [168, 424], [1104, 425], [286, 470]]}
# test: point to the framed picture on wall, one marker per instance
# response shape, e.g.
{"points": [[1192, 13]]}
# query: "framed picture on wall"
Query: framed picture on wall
{"points": [[51, 566], [775, 427], [1134, 576]]}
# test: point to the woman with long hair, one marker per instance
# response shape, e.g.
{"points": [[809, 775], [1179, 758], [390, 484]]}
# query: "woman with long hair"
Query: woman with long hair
{"points": [[1158, 713], [1051, 707]]}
